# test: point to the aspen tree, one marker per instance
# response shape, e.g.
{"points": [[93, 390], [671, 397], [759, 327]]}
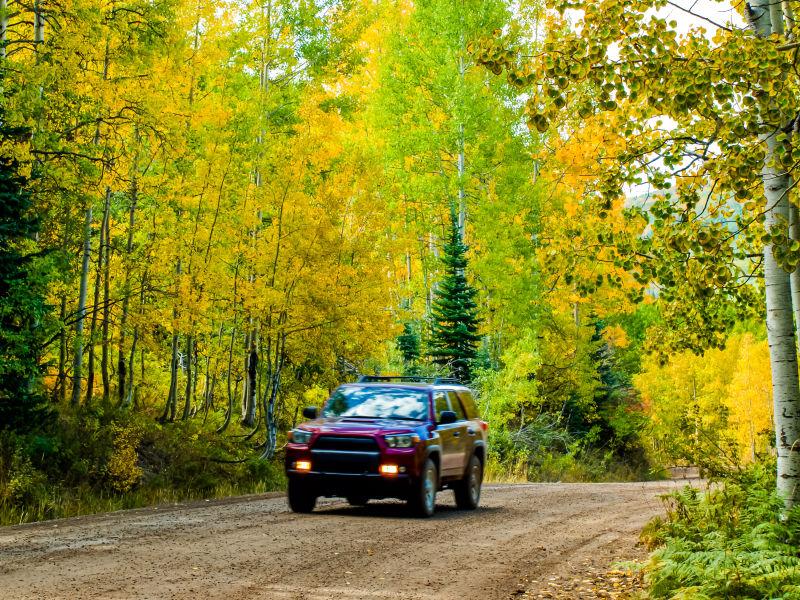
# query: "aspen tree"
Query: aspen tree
{"points": [[730, 153]]}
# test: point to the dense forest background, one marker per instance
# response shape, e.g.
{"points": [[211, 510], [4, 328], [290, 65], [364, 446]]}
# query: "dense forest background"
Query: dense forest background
{"points": [[214, 213]]}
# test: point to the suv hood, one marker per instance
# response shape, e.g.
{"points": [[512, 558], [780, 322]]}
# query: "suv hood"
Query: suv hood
{"points": [[346, 425]]}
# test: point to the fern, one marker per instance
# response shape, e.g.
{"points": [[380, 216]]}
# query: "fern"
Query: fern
{"points": [[730, 542]]}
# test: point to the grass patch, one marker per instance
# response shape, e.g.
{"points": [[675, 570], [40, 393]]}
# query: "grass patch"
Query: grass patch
{"points": [[89, 462]]}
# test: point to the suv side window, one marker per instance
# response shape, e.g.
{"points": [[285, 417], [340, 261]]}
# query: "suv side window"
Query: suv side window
{"points": [[469, 404], [440, 404], [456, 406]]}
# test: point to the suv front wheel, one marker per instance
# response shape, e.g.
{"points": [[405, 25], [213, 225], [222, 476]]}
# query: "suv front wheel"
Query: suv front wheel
{"points": [[301, 498], [468, 489], [422, 500]]}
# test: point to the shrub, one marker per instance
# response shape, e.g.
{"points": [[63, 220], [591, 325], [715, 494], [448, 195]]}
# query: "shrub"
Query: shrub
{"points": [[124, 471], [733, 541]]}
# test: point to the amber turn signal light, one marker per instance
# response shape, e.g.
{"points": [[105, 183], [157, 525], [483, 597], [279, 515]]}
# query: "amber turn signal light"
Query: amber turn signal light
{"points": [[389, 470], [303, 465]]}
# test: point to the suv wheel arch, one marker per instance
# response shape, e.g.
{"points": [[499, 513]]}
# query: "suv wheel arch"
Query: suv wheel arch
{"points": [[435, 456], [480, 452]]}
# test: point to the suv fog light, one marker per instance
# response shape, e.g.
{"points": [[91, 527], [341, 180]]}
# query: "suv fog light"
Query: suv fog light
{"points": [[389, 470], [303, 465]]}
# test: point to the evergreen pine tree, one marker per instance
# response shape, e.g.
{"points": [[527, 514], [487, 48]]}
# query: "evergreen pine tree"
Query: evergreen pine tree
{"points": [[21, 294], [408, 344], [454, 326]]}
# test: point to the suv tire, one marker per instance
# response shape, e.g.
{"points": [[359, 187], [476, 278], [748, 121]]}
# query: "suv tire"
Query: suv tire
{"points": [[468, 489], [301, 497], [422, 500], [357, 500]]}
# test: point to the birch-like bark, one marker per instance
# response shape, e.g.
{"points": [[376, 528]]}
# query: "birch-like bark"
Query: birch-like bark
{"points": [[780, 326], [794, 278], [788, 17], [38, 23], [129, 398], [231, 394], [207, 386], [172, 394], [462, 198], [104, 359], [246, 354], [274, 386], [229, 412], [101, 244], [77, 365], [3, 27], [61, 384], [187, 401], [781, 337], [126, 290], [249, 416]]}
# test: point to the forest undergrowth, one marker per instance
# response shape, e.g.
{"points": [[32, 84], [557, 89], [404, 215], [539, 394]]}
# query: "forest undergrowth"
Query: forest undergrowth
{"points": [[88, 462]]}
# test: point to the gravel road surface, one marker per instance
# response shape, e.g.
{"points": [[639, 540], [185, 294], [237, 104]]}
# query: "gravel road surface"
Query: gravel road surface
{"points": [[252, 547]]}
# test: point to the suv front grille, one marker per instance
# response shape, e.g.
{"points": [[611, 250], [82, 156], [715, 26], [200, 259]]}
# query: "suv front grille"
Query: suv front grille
{"points": [[335, 442], [340, 454]]}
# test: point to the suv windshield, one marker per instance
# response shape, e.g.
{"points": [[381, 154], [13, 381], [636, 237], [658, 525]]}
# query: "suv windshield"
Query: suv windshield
{"points": [[378, 402]]}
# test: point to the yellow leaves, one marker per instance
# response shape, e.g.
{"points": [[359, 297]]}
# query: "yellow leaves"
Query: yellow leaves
{"points": [[751, 402], [728, 390], [616, 336], [571, 206]]}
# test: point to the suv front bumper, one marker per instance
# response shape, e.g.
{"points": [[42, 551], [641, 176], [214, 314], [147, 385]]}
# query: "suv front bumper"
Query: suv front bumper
{"points": [[343, 473], [370, 485]]}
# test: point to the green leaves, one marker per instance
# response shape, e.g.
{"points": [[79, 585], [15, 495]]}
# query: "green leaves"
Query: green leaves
{"points": [[539, 122]]}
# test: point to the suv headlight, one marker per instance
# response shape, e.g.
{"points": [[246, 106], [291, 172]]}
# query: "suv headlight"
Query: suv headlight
{"points": [[404, 440], [300, 436]]}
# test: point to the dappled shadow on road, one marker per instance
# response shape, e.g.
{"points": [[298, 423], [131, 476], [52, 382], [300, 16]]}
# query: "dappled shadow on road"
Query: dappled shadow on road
{"points": [[399, 510]]}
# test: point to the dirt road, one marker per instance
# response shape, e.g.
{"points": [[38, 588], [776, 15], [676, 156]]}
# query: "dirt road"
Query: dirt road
{"points": [[252, 547]]}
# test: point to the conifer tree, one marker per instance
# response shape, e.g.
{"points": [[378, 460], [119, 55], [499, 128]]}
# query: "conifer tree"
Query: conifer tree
{"points": [[21, 293], [408, 344], [454, 326]]}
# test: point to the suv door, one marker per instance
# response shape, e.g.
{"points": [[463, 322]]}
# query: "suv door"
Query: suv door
{"points": [[462, 444], [476, 429], [450, 437]]}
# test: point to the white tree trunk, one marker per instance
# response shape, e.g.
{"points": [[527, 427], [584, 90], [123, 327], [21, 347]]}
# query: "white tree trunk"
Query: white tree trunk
{"points": [[122, 370], [781, 336], [794, 278], [462, 199], [766, 17], [38, 23], [77, 365], [3, 27]]}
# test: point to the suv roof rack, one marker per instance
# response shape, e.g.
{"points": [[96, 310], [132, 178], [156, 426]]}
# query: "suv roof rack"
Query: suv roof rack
{"points": [[409, 378]]}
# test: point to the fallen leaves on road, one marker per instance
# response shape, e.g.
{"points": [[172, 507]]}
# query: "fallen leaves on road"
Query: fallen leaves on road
{"points": [[613, 584]]}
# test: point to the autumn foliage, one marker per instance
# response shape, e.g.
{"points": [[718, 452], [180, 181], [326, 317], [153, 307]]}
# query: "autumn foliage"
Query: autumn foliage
{"points": [[214, 213]]}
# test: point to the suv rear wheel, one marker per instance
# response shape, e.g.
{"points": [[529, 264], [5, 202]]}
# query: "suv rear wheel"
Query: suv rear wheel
{"points": [[468, 490], [301, 498], [422, 500]]}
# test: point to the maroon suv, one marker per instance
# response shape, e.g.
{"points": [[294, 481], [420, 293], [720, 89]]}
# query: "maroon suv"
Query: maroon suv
{"points": [[389, 437]]}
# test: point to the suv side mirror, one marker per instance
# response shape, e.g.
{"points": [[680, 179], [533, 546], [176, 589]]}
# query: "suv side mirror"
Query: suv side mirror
{"points": [[310, 412], [446, 417]]}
